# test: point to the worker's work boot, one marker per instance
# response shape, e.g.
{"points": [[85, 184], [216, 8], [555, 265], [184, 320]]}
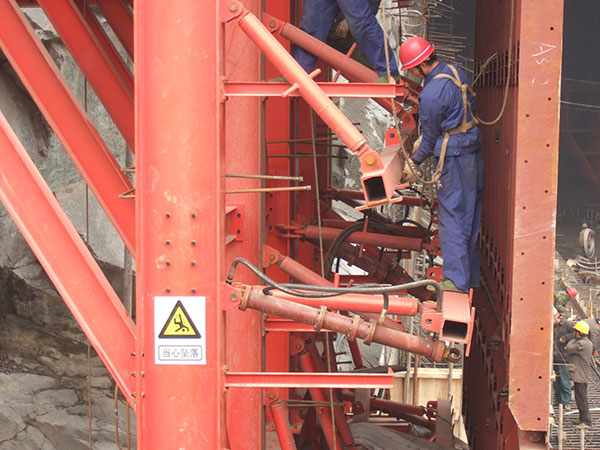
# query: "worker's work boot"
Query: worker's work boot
{"points": [[583, 425], [447, 285], [385, 79]]}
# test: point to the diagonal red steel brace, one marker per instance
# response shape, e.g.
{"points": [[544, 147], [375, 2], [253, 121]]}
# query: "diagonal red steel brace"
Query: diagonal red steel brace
{"points": [[77, 37], [77, 134], [67, 261], [381, 173], [120, 18], [106, 44]]}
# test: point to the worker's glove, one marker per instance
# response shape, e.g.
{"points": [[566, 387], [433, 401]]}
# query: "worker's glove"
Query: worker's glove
{"points": [[409, 175], [341, 30], [416, 145]]}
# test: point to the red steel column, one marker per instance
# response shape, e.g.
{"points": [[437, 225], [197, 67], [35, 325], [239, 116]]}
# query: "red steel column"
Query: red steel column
{"points": [[66, 259], [94, 64], [77, 134], [181, 216]]}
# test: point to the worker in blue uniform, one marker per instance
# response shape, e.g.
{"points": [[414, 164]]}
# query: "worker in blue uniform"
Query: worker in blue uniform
{"points": [[319, 15], [450, 133]]}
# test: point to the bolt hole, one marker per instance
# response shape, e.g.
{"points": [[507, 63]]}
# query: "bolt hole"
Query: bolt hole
{"points": [[549, 99], [526, 161], [524, 207], [547, 145], [518, 389], [541, 328], [526, 115], [543, 237], [546, 191], [522, 253], [551, 28], [543, 282], [521, 299]]}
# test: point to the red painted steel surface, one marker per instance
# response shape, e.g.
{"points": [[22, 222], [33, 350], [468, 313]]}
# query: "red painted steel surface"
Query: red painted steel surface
{"points": [[243, 138], [261, 89], [109, 49], [78, 38], [77, 134], [309, 379], [180, 198], [67, 261], [120, 19], [507, 376]]}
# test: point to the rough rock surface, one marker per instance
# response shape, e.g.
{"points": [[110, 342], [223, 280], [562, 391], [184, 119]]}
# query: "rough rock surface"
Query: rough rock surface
{"points": [[43, 353]]}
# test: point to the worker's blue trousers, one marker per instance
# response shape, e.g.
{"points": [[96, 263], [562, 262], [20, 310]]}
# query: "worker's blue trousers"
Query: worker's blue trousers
{"points": [[562, 384], [318, 17], [460, 198]]}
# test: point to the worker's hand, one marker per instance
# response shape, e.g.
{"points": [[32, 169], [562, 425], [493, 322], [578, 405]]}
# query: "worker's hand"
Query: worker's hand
{"points": [[409, 175], [416, 145], [341, 30]]}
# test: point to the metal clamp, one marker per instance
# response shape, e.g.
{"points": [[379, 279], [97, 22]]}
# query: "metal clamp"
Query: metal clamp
{"points": [[320, 318], [370, 332], [245, 296], [354, 328]]}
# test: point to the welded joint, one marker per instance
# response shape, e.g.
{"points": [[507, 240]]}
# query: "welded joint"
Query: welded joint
{"points": [[370, 332]]}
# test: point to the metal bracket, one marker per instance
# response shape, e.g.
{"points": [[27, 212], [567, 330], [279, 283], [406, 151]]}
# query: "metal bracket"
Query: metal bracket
{"points": [[234, 223]]}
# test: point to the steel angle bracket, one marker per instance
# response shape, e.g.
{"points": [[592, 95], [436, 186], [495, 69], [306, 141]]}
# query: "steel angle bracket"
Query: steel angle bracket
{"points": [[454, 320]]}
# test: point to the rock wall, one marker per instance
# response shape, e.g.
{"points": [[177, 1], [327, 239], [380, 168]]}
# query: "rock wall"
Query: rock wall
{"points": [[43, 353]]}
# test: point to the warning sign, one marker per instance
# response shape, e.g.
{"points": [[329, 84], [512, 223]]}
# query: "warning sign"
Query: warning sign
{"points": [[179, 324], [180, 327]]}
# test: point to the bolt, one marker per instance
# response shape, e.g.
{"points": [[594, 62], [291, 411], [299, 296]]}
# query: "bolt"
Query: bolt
{"points": [[298, 346], [143, 354], [193, 263], [370, 160], [133, 374], [132, 353], [233, 7], [167, 262], [193, 215], [143, 374], [233, 297], [193, 290], [167, 215], [239, 214], [143, 394], [167, 242], [272, 258], [133, 395], [167, 290], [272, 395], [238, 231], [193, 242], [272, 24]]}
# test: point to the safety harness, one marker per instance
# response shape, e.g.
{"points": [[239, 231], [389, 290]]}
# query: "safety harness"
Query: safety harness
{"points": [[465, 125]]}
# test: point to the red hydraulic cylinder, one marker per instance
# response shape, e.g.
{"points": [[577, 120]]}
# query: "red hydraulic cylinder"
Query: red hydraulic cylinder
{"points": [[367, 238], [88, 54], [324, 413], [120, 19], [353, 327], [77, 134], [381, 173], [67, 261], [282, 423], [180, 205]]}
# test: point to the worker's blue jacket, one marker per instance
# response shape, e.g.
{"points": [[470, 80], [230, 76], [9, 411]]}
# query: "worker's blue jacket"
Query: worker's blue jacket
{"points": [[461, 190], [319, 15], [441, 109]]}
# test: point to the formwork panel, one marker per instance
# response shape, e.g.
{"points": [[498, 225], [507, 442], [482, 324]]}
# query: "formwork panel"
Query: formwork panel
{"points": [[521, 154]]}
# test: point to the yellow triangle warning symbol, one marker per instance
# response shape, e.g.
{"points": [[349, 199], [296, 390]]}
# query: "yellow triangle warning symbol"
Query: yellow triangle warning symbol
{"points": [[179, 324]]}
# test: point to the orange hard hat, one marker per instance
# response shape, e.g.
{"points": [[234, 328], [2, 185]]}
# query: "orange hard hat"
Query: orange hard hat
{"points": [[572, 292], [414, 51]]}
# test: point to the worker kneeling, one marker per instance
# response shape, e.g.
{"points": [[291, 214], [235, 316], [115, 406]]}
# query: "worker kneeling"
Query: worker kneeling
{"points": [[450, 133]]}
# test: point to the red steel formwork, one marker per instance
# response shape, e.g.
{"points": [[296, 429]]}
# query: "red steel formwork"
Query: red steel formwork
{"points": [[200, 123], [507, 377]]}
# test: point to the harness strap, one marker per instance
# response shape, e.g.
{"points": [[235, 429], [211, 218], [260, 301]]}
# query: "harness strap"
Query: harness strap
{"points": [[465, 125]]}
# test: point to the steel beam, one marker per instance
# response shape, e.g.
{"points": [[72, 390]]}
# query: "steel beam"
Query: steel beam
{"points": [[69, 122], [106, 44], [67, 261], [120, 19], [98, 70], [180, 204], [310, 380], [347, 90]]}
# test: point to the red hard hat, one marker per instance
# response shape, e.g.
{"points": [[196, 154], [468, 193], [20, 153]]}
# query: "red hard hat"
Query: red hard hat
{"points": [[572, 292], [414, 51]]}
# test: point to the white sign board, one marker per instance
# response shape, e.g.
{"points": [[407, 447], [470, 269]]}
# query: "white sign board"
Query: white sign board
{"points": [[179, 330]]}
